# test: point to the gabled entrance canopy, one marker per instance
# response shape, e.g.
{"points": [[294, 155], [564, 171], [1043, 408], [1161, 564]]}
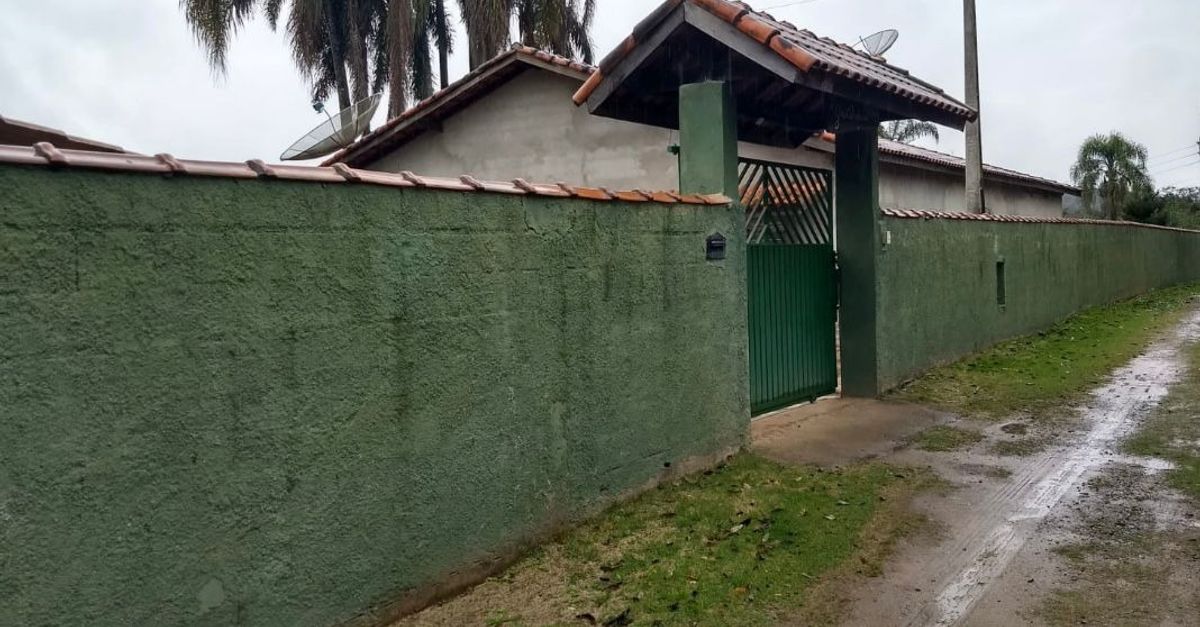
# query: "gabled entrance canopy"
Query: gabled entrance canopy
{"points": [[787, 83]]}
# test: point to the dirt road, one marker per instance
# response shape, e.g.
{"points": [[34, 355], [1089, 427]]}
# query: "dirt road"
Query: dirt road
{"points": [[1046, 522], [1020, 539]]}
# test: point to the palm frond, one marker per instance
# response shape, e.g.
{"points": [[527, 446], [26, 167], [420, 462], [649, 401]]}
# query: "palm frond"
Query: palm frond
{"points": [[214, 24], [908, 131]]}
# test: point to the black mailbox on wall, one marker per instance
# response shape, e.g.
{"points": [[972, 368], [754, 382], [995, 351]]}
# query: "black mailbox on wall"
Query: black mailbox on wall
{"points": [[714, 247]]}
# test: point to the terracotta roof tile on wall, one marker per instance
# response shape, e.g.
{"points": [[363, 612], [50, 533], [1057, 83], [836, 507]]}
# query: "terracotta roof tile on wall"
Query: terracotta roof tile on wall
{"points": [[45, 154], [380, 139], [917, 214], [801, 48]]}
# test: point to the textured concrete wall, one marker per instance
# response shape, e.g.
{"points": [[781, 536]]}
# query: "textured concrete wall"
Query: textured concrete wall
{"points": [[528, 127], [937, 281], [268, 403]]}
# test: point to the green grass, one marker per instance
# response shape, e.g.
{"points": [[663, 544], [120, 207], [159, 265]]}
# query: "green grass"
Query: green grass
{"points": [[1045, 369], [734, 547], [745, 544], [944, 438], [1173, 431]]}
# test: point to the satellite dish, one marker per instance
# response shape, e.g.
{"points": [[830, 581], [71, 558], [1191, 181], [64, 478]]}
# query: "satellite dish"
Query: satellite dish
{"points": [[339, 131], [879, 43]]}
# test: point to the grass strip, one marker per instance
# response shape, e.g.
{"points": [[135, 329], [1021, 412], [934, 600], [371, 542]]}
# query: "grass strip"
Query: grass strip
{"points": [[1044, 369], [744, 544], [1173, 431]]}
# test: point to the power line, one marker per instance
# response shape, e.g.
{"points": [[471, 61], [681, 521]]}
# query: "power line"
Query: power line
{"points": [[1179, 158], [1186, 165], [1169, 152]]}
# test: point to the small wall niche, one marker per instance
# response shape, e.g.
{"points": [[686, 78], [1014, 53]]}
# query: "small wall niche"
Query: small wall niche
{"points": [[1001, 288]]}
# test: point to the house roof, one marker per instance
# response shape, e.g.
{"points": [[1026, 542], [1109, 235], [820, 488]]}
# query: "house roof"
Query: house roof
{"points": [[822, 63], [907, 153], [917, 153], [489, 76], [20, 133], [786, 82], [454, 97], [48, 155]]}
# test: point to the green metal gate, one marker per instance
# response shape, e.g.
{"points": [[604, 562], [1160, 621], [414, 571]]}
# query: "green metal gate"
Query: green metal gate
{"points": [[792, 291]]}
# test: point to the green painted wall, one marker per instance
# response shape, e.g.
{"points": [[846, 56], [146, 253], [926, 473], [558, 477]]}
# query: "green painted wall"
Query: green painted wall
{"points": [[280, 403], [937, 282]]}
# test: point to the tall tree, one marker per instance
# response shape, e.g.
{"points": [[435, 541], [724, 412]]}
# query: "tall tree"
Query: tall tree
{"points": [[352, 48], [398, 31], [319, 32], [214, 24], [442, 35], [908, 131], [1110, 169], [431, 31], [487, 23], [560, 26]]}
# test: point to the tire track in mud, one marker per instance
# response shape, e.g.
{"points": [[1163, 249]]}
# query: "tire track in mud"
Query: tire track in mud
{"points": [[1011, 517], [982, 542]]}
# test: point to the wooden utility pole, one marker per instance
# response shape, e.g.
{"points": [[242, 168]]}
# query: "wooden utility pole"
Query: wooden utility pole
{"points": [[975, 202]]}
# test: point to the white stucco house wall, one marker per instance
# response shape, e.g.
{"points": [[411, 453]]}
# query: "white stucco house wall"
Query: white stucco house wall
{"points": [[513, 117]]}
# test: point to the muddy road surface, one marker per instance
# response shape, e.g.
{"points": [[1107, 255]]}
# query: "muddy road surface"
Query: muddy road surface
{"points": [[1049, 524]]}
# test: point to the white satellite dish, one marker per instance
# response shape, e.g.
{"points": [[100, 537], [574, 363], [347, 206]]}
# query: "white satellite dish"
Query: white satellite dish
{"points": [[879, 43], [339, 131]]}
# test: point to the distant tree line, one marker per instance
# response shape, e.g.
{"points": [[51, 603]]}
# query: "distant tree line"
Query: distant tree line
{"points": [[354, 48], [1112, 173], [1173, 206]]}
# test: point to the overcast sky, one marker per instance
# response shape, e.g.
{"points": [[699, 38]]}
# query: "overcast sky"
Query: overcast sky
{"points": [[1053, 71]]}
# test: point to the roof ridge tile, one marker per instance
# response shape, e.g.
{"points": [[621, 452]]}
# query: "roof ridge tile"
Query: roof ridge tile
{"points": [[171, 162], [47, 151]]}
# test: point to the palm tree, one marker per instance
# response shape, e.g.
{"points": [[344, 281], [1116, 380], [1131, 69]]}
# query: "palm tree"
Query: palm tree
{"points": [[215, 22], [432, 30], [352, 48], [337, 44], [487, 24], [560, 26], [908, 131], [326, 37], [1110, 169], [442, 35]]}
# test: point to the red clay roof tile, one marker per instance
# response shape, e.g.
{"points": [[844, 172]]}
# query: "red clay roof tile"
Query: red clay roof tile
{"points": [[45, 154], [593, 193], [989, 217], [630, 196], [799, 47]]}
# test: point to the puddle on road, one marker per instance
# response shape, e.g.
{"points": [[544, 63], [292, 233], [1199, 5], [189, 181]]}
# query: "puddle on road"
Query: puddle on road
{"points": [[985, 545]]}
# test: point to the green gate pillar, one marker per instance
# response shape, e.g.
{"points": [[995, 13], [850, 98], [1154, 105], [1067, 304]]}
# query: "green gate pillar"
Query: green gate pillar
{"points": [[707, 139], [708, 162], [856, 180]]}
